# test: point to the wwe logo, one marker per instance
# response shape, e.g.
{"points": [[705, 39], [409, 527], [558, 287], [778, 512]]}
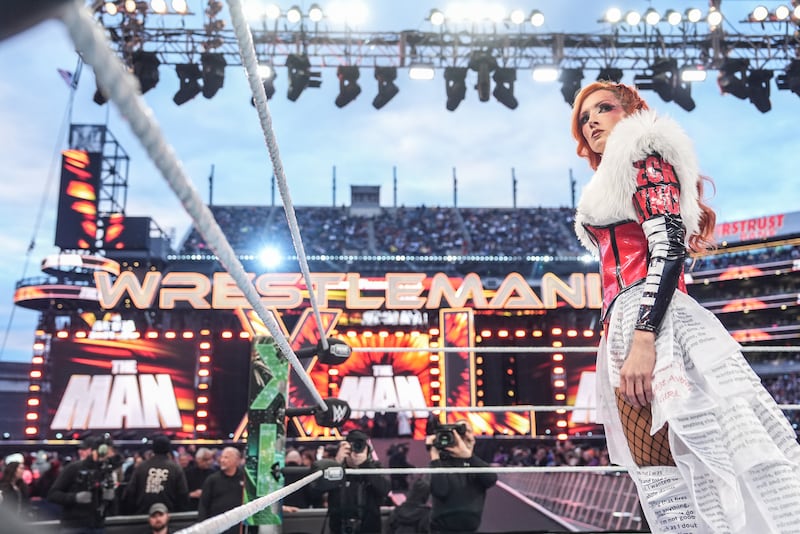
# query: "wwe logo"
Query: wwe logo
{"points": [[340, 412]]}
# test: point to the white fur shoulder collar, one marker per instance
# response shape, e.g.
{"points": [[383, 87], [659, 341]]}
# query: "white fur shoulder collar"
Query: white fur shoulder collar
{"points": [[608, 197]]}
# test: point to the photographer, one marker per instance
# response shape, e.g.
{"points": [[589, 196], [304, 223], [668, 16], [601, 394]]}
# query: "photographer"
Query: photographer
{"points": [[458, 498], [356, 506], [85, 489]]}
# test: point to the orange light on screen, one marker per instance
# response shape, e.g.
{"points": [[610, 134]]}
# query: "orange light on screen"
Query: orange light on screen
{"points": [[203, 372], [588, 333], [433, 331], [80, 334], [227, 334], [33, 402], [561, 423], [519, 333], [202, 399], [558, 357], [486, 333], [31, 431], [558, 344], [36, 374], [502, 333], [205, 358], [434, 371], [170, 335], [559, 383], [31, 416], [333, 371], [62, 334], [558, 370], [572, 333], [38, 346], [202, 427], [187, 335], [560, 397], [556, 331], [436, 384], [151, 335], [37, 360], [537, 333], [202, 386], [202, 413], [244, 335], [562, 437]]}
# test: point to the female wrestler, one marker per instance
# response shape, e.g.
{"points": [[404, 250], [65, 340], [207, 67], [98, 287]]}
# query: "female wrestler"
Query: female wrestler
{"points": [[707, 446]]}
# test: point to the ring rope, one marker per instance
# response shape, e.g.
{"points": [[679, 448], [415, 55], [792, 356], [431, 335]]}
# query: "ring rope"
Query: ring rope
{"points": [[248, 54], [514, 408], [122, 89], [590, 349], [220, 523]]}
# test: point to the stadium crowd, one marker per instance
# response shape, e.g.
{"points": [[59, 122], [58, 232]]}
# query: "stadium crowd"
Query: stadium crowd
{"points": [[404, 230]]}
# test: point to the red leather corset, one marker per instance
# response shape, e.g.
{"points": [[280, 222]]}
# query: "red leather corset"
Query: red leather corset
{"points": [[624, 258]]}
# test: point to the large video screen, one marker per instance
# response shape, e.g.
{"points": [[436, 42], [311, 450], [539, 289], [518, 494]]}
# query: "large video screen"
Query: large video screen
{"points": [[136, 385]]}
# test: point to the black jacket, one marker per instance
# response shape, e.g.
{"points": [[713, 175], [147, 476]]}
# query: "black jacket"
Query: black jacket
{"points": [[359, 502], [220, 494], [158, 479], [414, 515], [458, 498], [78, 476]]}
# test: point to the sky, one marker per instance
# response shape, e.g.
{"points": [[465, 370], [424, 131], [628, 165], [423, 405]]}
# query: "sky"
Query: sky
{"points": [[751, 156]]}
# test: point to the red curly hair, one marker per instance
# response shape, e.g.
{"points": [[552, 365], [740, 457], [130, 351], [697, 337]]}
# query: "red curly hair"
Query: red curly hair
{"points": [[632, 102]]}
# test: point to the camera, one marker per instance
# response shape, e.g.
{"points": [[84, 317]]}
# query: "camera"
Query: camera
{"points": [[445, 435], [358, 445]]}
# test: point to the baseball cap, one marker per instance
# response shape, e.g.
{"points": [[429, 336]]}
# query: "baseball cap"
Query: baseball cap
{"points": [[357, 435], [158, 507]]}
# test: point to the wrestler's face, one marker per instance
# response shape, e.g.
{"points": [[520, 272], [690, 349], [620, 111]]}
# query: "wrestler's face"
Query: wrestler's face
{"points": [[600, 112]]}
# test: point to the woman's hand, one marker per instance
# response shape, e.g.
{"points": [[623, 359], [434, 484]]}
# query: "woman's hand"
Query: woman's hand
{"points": [[636, 375]]}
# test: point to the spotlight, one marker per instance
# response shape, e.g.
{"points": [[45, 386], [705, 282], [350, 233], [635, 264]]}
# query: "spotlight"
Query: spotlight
{"points": [[731, 78], [300, 76], [504, 79], [455, 85], [267, 75], [570, 84], [758, 84], [189, 75], [213, 73], [791, 80], [348, 87], [386, 86], [612, 74], [483, 63], [666, 82], [145, 68]]}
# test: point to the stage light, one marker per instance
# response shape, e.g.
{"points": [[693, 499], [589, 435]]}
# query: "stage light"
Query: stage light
{"points": [[386, 86], [111, 8], [348, 85], [300, 76], [545, 73], [758, 85], [517, 16], [294, 15], [421, 71], [612, 74], [504, 79], [267, 75], [570, 84], [782, 13], [213, 70], [158, 6], [436, 17], [270, 257], [759, 14], [455, 85], [180, 6], [731, 78], [673, 17], [272, 12], [665, 81], [633, 18], [483, 64], [652, 17], [791, 79], [315, 13], [537, 18], [613, 15], [145, 68], [693, 74], [693, 15], [189, 75], [714, 18]]}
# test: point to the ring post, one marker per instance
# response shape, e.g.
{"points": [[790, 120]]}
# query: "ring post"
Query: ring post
{"points": [[266, 430]]}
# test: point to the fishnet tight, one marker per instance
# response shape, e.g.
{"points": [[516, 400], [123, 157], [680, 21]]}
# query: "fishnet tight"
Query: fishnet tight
{"points": [[646, 450]]}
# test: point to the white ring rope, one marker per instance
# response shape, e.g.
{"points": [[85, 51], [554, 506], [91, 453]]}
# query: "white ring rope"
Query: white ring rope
{"points": [[250, 62], [234, 516], [513, 408], [588, 349], [490, 469], [122, 89]]}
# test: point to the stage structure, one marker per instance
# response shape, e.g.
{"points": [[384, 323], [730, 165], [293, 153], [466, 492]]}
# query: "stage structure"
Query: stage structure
{"points": [[666, 50]]}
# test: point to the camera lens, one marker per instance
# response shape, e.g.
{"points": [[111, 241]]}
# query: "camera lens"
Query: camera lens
{"points": [[358, 445]]}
